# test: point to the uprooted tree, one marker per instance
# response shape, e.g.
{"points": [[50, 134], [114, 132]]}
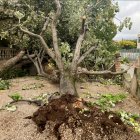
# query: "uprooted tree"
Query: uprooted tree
{"points": [[96, 22]]}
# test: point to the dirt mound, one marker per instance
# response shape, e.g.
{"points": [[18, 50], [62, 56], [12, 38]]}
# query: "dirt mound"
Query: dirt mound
{"points": [[70, 118]]}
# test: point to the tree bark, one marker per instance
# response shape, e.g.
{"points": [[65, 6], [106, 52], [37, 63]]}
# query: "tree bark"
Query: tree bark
{"points": [[68, 84]]}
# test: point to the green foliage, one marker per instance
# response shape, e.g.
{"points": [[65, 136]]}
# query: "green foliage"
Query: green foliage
{"points": [[130, 119], [66, 53], [4, 84], [118, 79], [112, 80], [16, 96], [32, 86], [13, 73], [32, 14], [18, 15], [102, 58], [107, 101], [125, 60], [126, 23], [127, 44], [99, 18]]}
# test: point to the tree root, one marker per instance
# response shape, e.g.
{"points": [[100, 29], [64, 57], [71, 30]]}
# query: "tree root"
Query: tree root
{"points": [[36, 102]]}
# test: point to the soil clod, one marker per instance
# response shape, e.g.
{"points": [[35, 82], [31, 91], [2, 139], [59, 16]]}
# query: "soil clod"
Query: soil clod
{"points": [[69, 118]]}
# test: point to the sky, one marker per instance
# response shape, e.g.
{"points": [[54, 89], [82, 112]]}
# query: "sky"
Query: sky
{"points": [[129, 8]]}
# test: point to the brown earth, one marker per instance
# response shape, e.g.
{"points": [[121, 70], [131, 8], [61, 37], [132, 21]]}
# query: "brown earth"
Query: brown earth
{"points": [[71, 118], [14, 126]]}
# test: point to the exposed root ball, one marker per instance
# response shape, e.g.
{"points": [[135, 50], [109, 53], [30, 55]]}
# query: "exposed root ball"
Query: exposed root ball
{"points": [[70, 118]]}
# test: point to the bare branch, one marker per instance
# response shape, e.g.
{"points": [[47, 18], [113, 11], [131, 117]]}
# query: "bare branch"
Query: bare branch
{"points": [[29, 33], [45, 46], [40, 65], [40, 52], [112, 66], [28, 55], [55, 37], [58, 12], [86, 53], [118, 19], [78, 45], [85, 71], [45, 25], [36, 102], [101, 72], [42, 56], [49, 51]]}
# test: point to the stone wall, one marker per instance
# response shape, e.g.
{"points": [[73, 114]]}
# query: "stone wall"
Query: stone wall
{"points": [[132, 83]]}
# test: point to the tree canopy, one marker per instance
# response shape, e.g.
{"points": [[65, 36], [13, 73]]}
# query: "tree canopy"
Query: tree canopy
{"points": [[99, 16]]}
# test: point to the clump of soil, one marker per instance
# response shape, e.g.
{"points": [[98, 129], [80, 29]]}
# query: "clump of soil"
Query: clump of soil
{"points": [[69, 118]]}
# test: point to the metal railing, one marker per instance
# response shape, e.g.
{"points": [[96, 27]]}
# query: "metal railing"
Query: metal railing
{"points": [[131, 54], [7, 53]]}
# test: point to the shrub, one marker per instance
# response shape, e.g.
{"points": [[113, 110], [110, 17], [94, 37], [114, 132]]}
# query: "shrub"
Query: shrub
{"points": [[127, 44], [107, 101], [4, 84], [12, 73]]}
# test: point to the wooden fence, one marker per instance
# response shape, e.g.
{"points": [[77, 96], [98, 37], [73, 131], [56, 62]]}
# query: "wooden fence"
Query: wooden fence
{"points": [[7, 53], [131, 54]]}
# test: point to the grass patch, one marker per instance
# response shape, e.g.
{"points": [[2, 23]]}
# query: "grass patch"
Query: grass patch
{"points": [[4, 84], [32, 86]]}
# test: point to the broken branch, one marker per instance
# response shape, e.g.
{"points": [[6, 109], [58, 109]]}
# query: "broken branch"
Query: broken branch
{"points": [[85, 71], [86, 53]]}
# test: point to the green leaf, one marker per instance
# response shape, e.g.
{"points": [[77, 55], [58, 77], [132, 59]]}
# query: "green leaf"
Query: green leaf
{"points": [[19, 15], [16, 96]]}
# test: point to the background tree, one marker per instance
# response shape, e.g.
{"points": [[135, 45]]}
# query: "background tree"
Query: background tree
{"points": [[128, 44]]}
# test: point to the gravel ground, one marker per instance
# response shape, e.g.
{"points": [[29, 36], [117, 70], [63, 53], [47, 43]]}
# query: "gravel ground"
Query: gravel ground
{"points": [[14, 126]]}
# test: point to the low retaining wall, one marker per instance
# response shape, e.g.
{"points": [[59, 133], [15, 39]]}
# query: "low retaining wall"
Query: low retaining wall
{"points": [[132, 82]]}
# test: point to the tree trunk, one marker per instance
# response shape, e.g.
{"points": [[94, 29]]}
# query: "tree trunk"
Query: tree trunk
{"points": [[67, 84], [11, 62]]}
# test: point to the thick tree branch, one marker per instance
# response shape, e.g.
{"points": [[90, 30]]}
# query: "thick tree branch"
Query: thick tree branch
{"points": [[78, 45], [56, 48], [45, 46], [85, 71], [48, 50], [36, 102], [45, 25], [11, 62], [58, 11], [29, 56], [101, 72], [55, 37], [26, 57], [42, 55], [29, 33], [86, 54]]}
